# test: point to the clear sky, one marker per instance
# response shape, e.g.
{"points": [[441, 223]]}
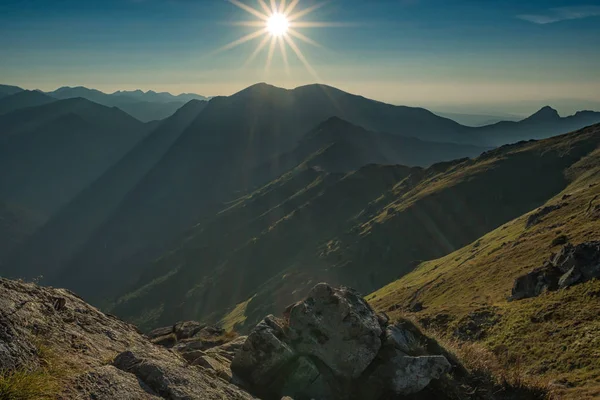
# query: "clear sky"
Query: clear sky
{"points": [[437, 53]]}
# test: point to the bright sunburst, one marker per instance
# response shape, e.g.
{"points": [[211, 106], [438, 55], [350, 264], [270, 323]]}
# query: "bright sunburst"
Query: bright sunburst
{"points": [[278, 25]]}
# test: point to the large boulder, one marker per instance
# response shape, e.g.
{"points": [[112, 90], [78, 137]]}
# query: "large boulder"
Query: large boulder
{"points": [[338, 327], [333, 346], [263, 354]]}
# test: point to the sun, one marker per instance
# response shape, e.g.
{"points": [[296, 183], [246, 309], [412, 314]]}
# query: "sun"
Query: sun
{"points": [[278, 24]]}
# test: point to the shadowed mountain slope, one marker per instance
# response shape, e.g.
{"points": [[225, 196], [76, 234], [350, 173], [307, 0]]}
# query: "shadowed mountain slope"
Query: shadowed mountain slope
{"points": [[49, 153], [346, 147], [62, 236], [362, 229]]}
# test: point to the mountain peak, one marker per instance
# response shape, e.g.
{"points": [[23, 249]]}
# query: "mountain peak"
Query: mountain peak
{"points": [[545, 113]]}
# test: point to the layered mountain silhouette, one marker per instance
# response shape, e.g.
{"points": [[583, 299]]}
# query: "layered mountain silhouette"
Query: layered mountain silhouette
{"points": [[136, 106], [161, 97], [345, 147], [222, 154], [542, 124]]}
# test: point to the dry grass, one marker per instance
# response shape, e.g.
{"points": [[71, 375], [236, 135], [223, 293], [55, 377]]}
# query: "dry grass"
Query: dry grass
{"points": [[37, 383]]}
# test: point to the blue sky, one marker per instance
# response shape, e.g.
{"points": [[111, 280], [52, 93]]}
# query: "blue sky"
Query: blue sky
{"points": [[447, 54]]}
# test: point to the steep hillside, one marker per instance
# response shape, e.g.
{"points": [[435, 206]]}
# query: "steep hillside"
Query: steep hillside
{"points": [[361, 229], [464, 295], [23, 99], [64, 234], [51, 152]]}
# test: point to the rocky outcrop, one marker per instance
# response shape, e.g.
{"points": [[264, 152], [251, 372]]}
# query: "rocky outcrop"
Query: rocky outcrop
{"points": [[334, 346], [173, 378], [83, 353], [338, 327], [572, 265], [538, 216]]}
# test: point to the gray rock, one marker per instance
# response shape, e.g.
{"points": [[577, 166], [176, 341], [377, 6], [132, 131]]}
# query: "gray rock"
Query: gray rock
{"points": [[110, 383], [400, 374], [174, 379], [571, 277], [80, 333], [401, 339], [187, 329], [412, 374], [229, 349], [303, 381], [156, 333], [222, 369], [338, 327], [263, 353]]}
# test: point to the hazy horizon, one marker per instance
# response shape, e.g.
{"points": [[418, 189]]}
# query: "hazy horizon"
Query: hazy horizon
{"points": [[441, 55]]}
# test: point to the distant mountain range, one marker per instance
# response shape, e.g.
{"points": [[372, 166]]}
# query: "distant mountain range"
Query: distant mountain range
{"points": [[144, 106]]}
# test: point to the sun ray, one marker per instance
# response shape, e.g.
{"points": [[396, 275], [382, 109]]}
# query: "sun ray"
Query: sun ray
{"points": [[306, 11], [271, 51], [249, 9], [303, 37], [282, 6], [265, 7], [291, 7], [300, 56], [316, 24], [260, 46], [253, 24], [282, 22], [242, 40], [284, 55]]}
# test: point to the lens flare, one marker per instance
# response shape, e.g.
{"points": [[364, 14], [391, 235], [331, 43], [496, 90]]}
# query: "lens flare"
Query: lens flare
{"points": [[278, 24]]}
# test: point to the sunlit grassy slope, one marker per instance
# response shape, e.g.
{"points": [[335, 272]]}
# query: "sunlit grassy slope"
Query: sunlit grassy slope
{"points": [[464, 294]]}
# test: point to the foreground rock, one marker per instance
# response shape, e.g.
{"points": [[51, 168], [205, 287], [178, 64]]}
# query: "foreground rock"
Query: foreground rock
{"points": [[71, 350], [572, 265], [334, 346]]}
